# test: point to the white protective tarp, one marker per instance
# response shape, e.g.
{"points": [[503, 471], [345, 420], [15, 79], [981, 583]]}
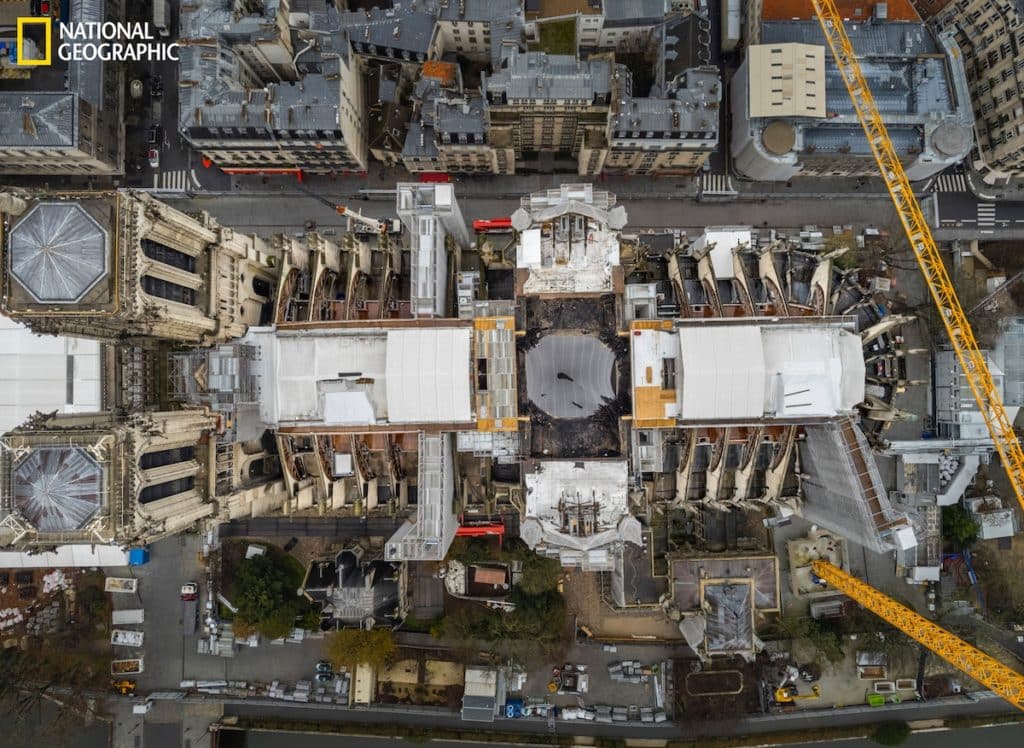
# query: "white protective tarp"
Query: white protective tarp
{"points": [[66, 556], [814, 371], [428, 375], [766, 371], [723, 373]]}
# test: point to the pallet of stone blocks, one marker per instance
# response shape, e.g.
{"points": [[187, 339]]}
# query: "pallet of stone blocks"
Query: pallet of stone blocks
{"points": [[609, 714], [629, 671]]}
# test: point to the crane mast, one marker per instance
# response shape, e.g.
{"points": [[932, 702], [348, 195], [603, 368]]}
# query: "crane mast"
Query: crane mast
{"points": [[919, 234], [992, 674], [973, 662]]}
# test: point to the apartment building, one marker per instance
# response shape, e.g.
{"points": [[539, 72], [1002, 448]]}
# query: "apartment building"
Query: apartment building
{"points": [[479, 29], [990, 36], [792, 114], [547, 107], [674, 134], [620, 24], [448, 129], [66, 118], [238, 107]]}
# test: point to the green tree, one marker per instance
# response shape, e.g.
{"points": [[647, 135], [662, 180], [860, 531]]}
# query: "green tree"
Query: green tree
{"points": [[891, 733], [92, 603], [265, 596], [351, 647], [540, 574], [826, 643], [958, 527]]}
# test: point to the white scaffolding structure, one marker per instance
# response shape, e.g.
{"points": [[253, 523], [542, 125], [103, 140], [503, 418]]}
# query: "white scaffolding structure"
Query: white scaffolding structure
{"points": [[428, 538], [430, 214]]}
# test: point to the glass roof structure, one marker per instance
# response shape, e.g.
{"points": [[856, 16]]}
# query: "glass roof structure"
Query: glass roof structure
{"points": [[58, 252], [58, 489]]}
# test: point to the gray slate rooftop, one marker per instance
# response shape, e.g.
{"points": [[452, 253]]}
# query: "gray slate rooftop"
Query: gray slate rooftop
{"points": [[695, 103], [537, 75], [633, 12], [398, 28], [34, 120], [49, 118], [893, 59], [460, 116]]}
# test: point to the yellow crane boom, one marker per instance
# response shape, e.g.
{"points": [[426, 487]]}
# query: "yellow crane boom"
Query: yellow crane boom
{"points": [[992, 674], [973, 662], [928, 258]]}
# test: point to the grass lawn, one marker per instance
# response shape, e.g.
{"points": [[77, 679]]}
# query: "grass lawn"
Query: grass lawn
{"points": [[558, 38]]}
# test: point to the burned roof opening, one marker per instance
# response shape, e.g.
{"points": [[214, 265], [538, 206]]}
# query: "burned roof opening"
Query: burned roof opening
{"points": [[572, 361], [570, 376]]}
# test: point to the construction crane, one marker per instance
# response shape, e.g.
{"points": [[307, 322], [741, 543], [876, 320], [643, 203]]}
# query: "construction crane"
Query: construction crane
{"points": [[357, 220], [992, 674], [380, 226], [972, 362]]}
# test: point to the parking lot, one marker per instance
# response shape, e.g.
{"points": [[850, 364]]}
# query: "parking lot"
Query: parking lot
{"points": [[602, 689], [170, 656]]}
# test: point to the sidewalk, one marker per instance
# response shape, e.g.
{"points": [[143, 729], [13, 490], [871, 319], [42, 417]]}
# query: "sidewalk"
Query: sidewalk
{"points": [[168, 723], [465, 186], [1012, 191]]}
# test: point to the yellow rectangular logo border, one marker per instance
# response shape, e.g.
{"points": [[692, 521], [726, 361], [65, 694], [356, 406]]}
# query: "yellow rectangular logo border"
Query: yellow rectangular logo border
{"points": [[20, 40]]}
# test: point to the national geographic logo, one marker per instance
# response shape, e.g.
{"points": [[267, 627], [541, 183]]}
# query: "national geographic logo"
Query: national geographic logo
{"points": [[75, 42]]}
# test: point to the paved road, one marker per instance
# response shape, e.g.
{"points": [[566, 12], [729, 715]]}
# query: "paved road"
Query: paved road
{"points": [[996, 736], [987, 218], [326, 527], [808, 719], [269, 214], [999, 736]]}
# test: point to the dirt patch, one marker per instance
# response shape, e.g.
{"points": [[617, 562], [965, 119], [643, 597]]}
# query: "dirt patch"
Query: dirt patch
{"points": [[421, 681], [714, 683], [998, 570], [584, 600], [441, 673], [723, 691]]}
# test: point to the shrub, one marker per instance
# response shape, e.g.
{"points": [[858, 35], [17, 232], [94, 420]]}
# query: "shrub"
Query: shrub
{"points": [[891, 733]]}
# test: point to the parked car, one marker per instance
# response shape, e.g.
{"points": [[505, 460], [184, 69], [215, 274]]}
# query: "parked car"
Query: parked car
{"points": [[190, 591], [154, 158], [324, 667], [324, 677], [153, 136]]}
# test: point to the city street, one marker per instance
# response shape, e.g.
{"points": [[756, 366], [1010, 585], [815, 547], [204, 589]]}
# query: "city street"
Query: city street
{"points": [[1001, 736], [801, 720], [288, 212]]}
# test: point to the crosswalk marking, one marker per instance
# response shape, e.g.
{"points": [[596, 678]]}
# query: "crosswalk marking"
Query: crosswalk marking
{"points": [[174, 180], [951, 183], [986, 214], [716, 184]]}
